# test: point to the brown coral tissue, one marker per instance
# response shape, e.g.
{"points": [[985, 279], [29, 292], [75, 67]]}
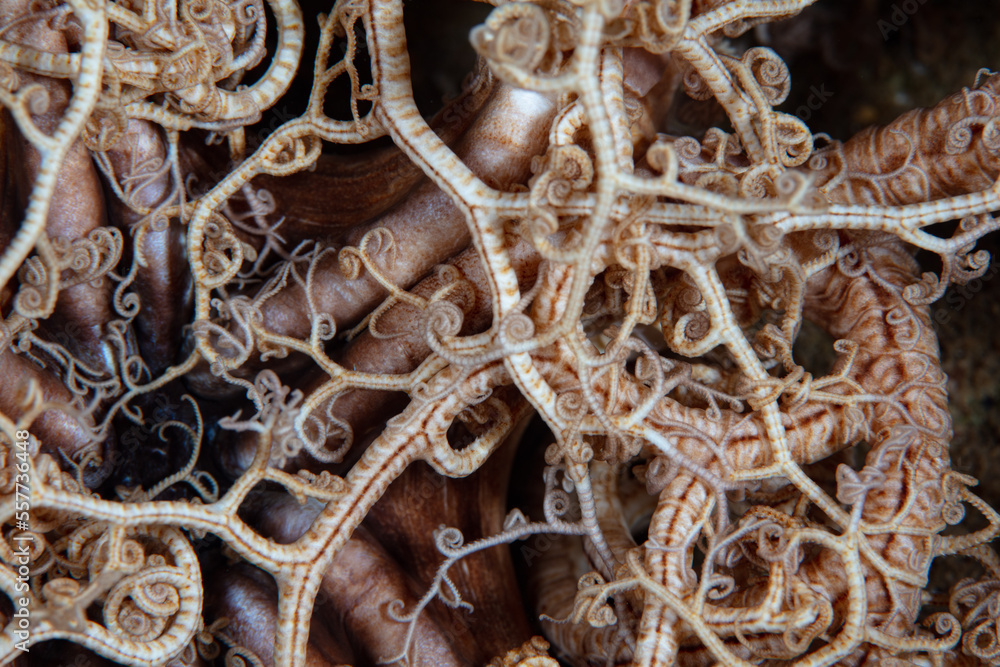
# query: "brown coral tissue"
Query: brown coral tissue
{"points": [[325, 344]]}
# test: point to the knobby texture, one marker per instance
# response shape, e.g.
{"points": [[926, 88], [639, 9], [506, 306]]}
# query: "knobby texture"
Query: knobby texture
{"points": [[272, 401]]}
